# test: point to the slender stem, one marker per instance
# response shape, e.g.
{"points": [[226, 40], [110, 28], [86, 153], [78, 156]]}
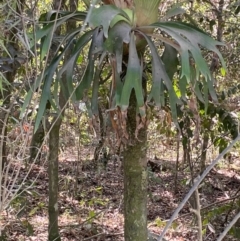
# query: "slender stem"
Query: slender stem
{"points": [[224, 233], [197, 212], [196, 184]]}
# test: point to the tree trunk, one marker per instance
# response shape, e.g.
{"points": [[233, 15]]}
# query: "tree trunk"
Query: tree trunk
{"points": [[3, 131], [54, 136], [204, 152], [53, 233], [5, 96], [38, 138], [135, 180], [36, 143]]}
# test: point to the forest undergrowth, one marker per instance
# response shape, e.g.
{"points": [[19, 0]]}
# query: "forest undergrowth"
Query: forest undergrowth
{"points": [[91, 198]]}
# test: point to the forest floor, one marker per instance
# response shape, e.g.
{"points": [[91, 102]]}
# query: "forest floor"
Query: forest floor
{"points": [[91, 202]]}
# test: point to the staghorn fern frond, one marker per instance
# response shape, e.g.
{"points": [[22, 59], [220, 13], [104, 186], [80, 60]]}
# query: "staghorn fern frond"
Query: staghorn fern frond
{"points": [[116, 36], [146, 11]]}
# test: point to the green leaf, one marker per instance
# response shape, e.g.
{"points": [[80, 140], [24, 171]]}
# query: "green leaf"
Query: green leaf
{"points": [[29, 95], [68, 67], [119, 34], [197, 90], [175, 10], [41, 110], [70, 37], [183, 87], [91, 214], [205, 90], [62, 15], [80, 43], [117, 89], [103, 16], [159, 222], [48, 28], [212, 92], [40, 33], [133, 78], [189, 38], [97, 40], [95, 89], [33, 211], [223, 72], [87, 3], [170, 60], [3, 47], [3, 80], [160, 76], [46, 92], [196, 84], [46, 43], [131, 19]]}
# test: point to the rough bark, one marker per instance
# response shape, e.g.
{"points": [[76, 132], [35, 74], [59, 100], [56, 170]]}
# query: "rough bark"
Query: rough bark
{"points": [[135, 180]]}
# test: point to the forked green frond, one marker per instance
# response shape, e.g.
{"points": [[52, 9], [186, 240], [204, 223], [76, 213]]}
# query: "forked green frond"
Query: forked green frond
{"points": [[104, 15], [161, 81], [87, 78], [190, 39], [133, 79], [118, 34]]}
